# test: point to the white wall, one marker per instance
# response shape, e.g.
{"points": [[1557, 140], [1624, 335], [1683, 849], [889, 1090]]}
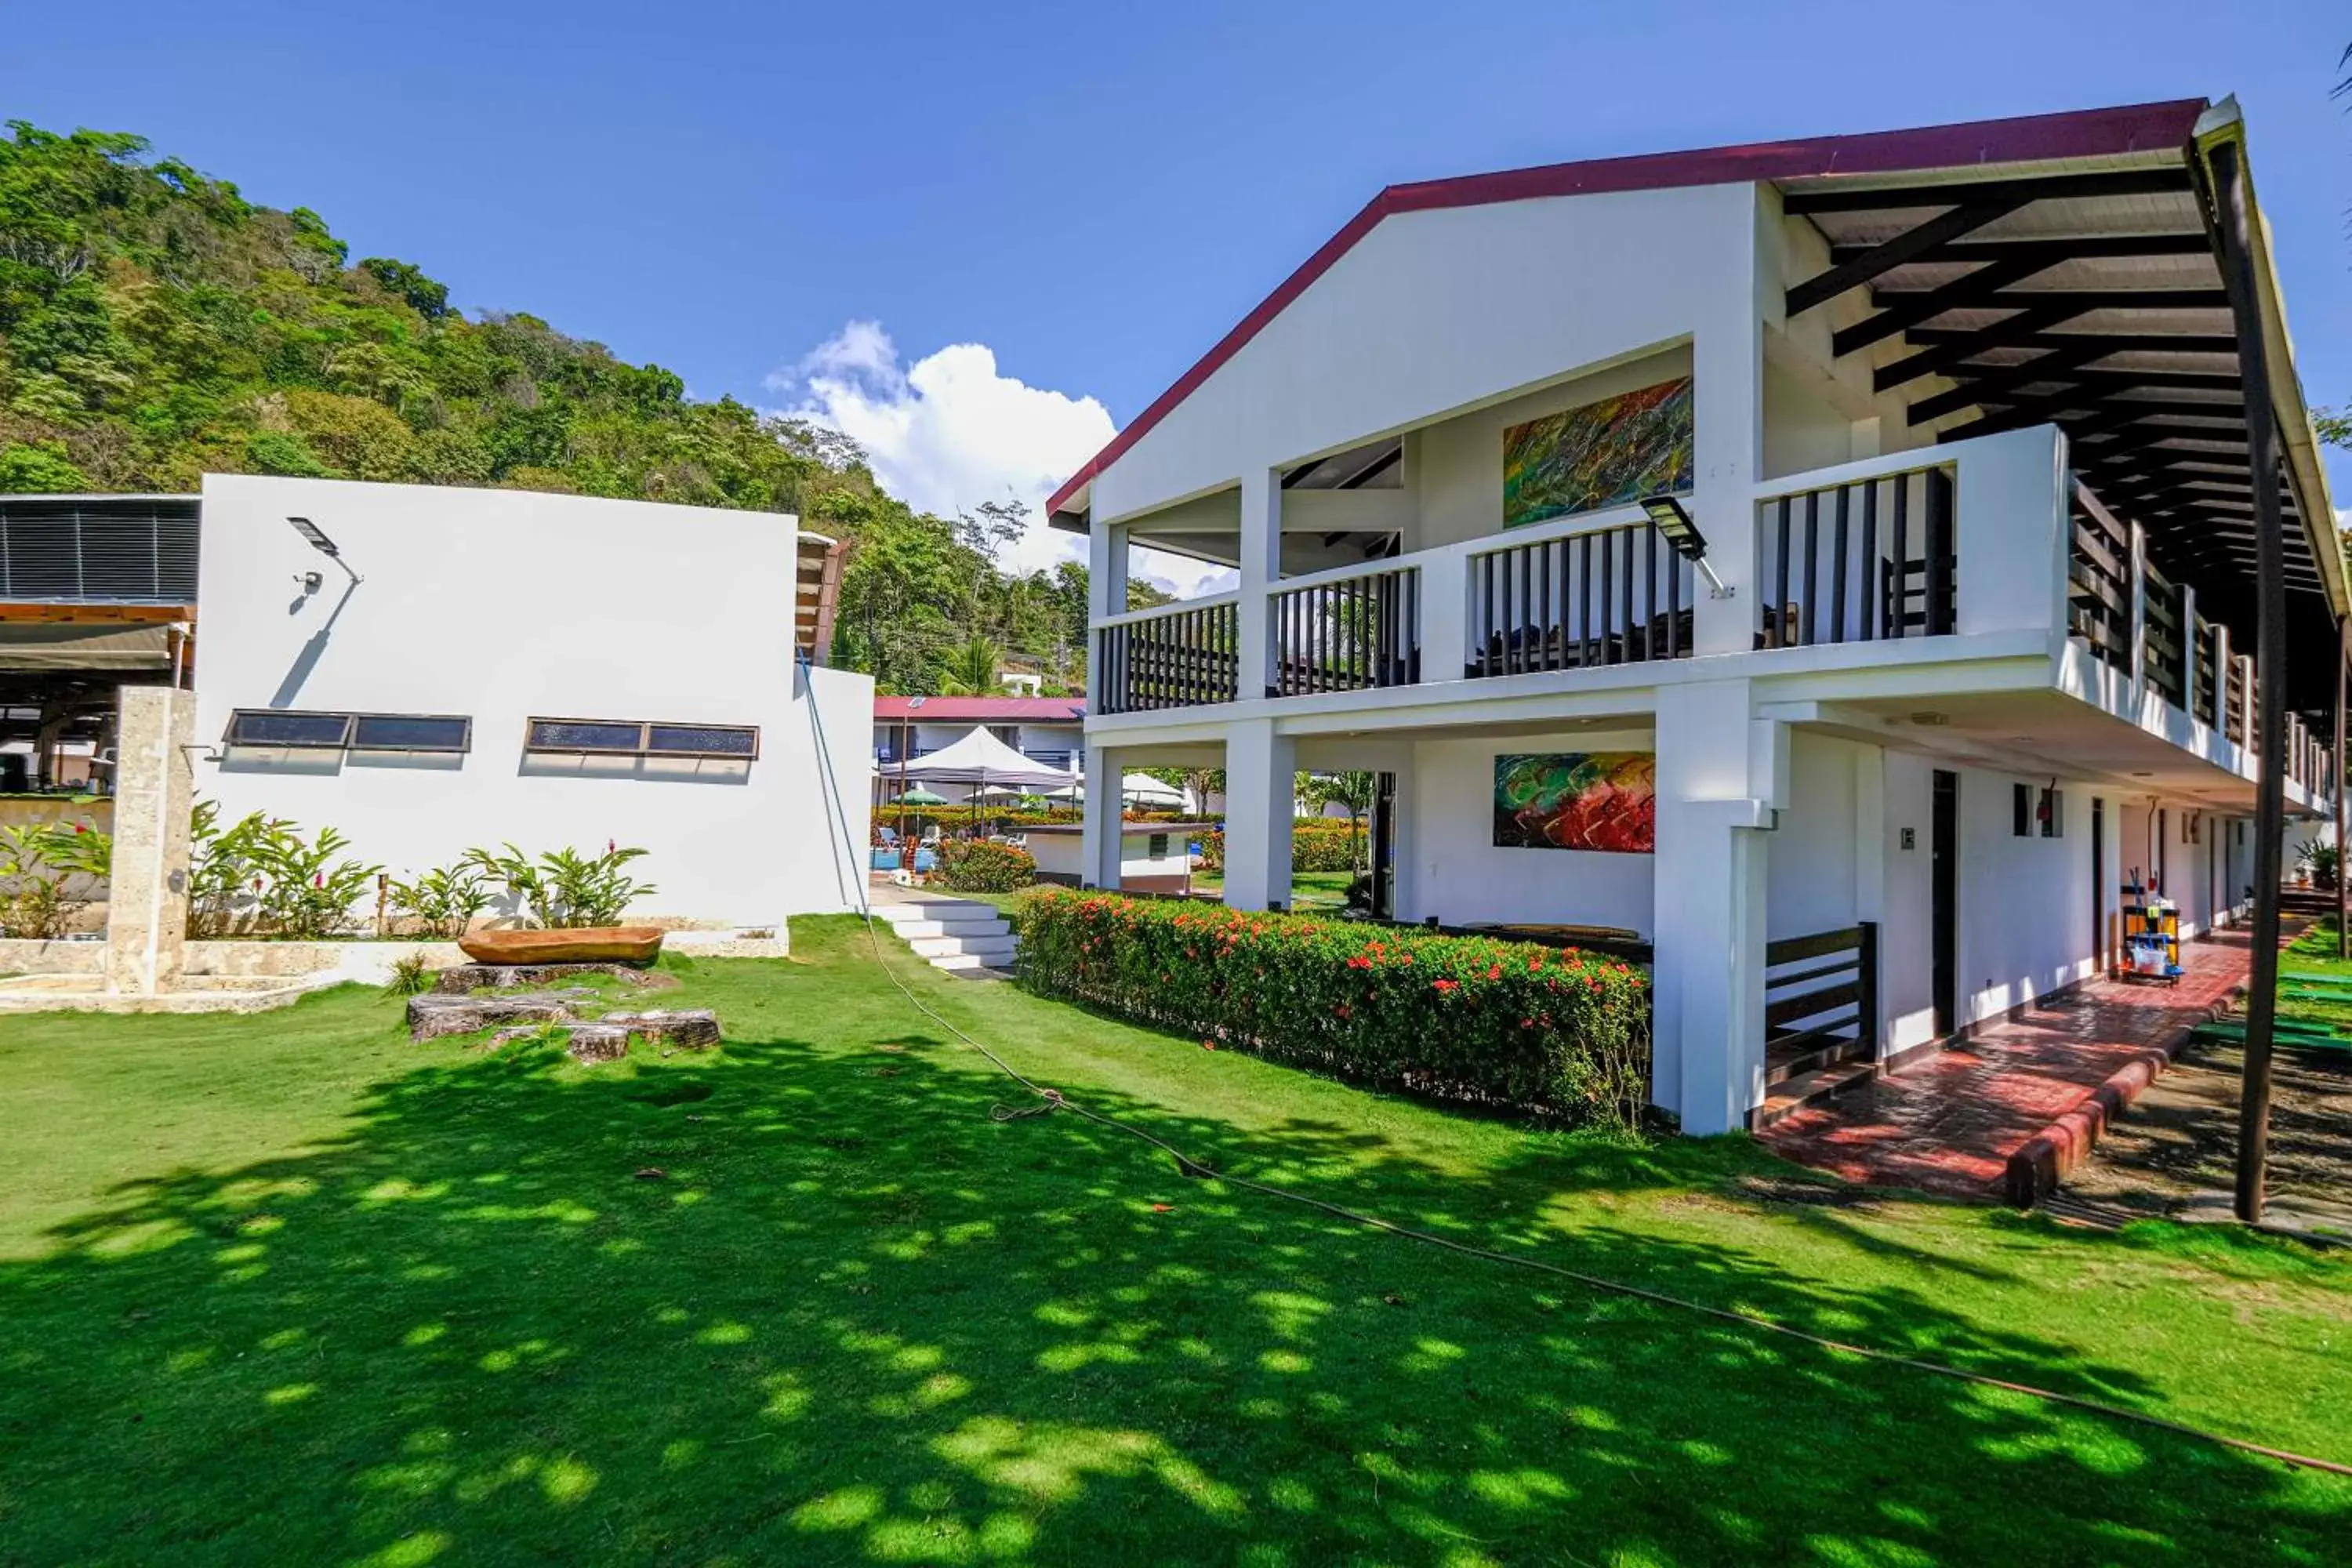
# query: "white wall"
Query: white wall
{"points": [[1815, 857], [2026, 922], [504, 605], [1455, 467], [1438, 310], [1801, 429], [1450, 869]]}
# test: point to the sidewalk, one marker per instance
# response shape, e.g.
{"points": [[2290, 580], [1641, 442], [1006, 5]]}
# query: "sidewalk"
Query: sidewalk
{"points": [[1950, 1125]]}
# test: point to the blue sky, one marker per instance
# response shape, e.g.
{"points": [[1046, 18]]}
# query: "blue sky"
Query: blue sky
{"points": [[1092, 192]]}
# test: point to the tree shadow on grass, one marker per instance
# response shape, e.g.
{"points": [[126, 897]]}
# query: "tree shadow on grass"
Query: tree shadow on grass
{"points": [[795, 1303]]}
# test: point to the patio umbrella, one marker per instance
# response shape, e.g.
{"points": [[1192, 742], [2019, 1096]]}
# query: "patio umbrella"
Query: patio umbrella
{"points": [[919, 795], [1145, 790]]}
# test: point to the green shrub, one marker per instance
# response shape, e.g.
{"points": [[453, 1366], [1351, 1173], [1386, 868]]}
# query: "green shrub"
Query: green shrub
{"points": [[1316, 844], [260, 875], [1535, 1027], [565, 888], [442, 902], [977, 866]]}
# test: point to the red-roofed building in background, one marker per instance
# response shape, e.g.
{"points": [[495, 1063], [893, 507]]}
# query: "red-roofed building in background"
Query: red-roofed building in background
{"points": [[1047, 729]]}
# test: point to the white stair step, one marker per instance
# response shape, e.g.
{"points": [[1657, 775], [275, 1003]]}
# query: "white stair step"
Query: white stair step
{"points": [[953, 963], [958, 946], [936, 909], [911, 930]]}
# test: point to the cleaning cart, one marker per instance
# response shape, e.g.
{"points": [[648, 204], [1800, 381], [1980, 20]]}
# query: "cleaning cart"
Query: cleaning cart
{"points": [[2151, 938]]}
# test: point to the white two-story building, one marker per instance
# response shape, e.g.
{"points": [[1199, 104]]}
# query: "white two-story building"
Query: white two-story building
{"points": [[1933, 640]]}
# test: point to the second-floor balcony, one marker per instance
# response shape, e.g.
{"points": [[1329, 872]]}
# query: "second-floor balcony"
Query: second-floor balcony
{"points": [[1978, 549]]}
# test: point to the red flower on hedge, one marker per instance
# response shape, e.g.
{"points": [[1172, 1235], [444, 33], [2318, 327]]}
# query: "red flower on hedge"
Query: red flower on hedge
{"points": [[1448, 987], [1495, 973]]}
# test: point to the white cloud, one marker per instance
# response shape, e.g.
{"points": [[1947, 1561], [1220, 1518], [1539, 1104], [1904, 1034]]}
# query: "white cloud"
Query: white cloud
{"points": [[952, 431]]}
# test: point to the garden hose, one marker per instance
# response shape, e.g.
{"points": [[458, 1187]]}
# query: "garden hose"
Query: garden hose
{"points": [[1054, 1100]]}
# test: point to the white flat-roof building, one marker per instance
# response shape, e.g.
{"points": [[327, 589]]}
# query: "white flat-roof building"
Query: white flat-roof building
{"points": [[473, 667], [1936, 636]]}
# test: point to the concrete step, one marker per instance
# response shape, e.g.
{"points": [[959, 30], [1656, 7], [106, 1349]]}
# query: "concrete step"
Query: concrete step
{"points": [[935, 909], [911, 930], [967, 963], [990, 947]]}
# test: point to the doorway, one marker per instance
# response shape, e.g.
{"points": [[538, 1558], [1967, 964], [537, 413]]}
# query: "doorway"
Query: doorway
{"points": [[2099, 880], [1944, 835]]}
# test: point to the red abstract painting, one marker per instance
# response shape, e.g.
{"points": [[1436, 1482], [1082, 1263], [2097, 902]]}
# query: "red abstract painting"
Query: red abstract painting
{"points": [[1600, 801]]}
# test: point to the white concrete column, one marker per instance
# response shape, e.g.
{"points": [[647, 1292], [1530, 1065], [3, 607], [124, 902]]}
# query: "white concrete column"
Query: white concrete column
{"points": [[1106, 570], [1727, 427], [2192, 668], [147, 885], [1261, 770], [1099, 845], [2138, 620], [1261, 568], [1716, 771]]}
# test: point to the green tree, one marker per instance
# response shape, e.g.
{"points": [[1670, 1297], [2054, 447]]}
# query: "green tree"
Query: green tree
{"points": [[40, 469], [1351, 790], [971, 670]]}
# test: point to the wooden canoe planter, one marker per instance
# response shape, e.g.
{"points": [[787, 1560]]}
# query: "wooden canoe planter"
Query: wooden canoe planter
{"points": [[578, 945]]}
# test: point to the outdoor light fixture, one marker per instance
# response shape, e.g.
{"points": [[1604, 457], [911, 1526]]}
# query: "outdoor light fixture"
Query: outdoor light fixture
{"points": [[1668, 516], [316, 537]]}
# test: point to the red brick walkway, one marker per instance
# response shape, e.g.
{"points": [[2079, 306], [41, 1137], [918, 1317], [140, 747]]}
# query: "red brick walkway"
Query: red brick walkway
{"points": [[1950, 1125]]}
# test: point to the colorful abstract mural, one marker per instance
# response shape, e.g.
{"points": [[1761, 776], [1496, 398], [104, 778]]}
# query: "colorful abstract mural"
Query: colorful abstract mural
{"points": [[1603, 801], [1609, 453]]}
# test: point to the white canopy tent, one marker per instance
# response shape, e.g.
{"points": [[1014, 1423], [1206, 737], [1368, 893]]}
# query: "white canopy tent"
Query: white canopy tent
{"points": [[980, 758], [1145, 790]]}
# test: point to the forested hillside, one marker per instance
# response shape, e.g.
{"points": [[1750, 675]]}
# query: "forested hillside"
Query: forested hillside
{"points": [[156, 325]]}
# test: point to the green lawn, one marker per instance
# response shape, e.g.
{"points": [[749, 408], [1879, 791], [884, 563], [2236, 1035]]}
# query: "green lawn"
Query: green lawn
{"points": [[1308, 890], [287, 1289]]}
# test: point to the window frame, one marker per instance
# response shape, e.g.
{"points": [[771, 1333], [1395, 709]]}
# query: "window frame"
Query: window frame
{"points": [[349, 741], [644, 747]]}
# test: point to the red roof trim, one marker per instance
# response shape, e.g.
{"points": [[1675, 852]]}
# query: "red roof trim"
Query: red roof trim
{"points": [[1000, 709], [2080, 134]]}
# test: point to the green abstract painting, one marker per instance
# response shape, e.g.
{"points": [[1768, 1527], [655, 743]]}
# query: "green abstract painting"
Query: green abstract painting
{"points": [[1609, 453]]}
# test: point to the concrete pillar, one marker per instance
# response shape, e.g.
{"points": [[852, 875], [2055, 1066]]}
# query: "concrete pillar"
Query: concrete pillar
{"points": [[1719, 775], [1261, 569], [154, 790], [1727, 432], [1100, 848], [1261, 771]]}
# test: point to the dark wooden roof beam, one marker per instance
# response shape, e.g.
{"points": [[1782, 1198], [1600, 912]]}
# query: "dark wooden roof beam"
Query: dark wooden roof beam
{"points": [[1834, 197]]}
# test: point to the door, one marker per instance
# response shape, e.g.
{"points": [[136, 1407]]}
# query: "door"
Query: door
{"points": [[2099, 880], [1943, 844], [1384, 795]]}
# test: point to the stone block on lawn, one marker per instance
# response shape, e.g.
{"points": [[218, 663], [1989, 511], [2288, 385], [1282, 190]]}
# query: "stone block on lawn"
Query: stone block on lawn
{"points": [[459, 979], [687, 1028], [432, 1015], [598, 1042]]}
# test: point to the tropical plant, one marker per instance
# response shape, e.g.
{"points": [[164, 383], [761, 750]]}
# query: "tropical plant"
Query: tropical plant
{"points": [[971, 670], [308, 891], [2323, 861], [982, 866], [1352, 792], [442, 902], [49, 870], [260, 875], [410, 973], [565, 888], [224, 870], [1514, 1024]]}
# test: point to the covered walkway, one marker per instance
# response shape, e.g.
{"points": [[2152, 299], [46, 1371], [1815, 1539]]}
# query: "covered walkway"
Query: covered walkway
{"points": [[1951, 1124]]}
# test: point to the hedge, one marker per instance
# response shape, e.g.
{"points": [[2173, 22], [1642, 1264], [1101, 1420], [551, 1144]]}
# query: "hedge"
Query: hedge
{"points": [[978, 865], [1538, 1028], [1316, 844]]}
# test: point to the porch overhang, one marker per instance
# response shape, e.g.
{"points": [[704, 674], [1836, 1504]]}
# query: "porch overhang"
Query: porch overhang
{"points": [[2090, 295]]}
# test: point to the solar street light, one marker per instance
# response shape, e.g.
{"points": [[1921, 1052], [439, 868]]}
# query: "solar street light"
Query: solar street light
{"points": [[316, 537], [1672, 521]]}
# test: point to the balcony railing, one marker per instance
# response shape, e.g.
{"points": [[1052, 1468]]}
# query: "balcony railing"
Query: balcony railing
{"points": [[1178, 655], [1611, 595], [1345, 632], [1869, 559]]}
